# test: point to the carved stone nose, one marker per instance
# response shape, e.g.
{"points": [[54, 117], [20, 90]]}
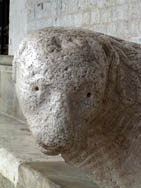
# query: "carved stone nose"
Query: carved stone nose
{"points": [[46, 149], [59, 105]]}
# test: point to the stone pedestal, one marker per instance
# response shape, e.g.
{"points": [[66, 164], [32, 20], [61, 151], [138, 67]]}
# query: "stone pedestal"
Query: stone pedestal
{"points": [[22, 165]]}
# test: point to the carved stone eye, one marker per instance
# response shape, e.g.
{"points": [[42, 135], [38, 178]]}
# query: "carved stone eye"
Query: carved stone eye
{"points": [[36, 88], [66, 69], [88, 94]]}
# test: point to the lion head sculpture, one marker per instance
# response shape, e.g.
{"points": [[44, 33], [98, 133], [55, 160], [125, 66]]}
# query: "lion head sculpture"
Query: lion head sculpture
{"points": [[80, 92]]}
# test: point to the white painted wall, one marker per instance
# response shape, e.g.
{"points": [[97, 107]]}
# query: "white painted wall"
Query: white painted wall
{"points": [[18, 24], [121, 18]]}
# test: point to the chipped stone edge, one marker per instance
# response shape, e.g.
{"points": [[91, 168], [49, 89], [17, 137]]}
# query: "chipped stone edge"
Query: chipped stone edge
{"points": [[9, 166], [15, 170]]}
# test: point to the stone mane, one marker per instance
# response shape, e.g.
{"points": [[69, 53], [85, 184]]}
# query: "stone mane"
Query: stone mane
{"points": [[80, 92]]}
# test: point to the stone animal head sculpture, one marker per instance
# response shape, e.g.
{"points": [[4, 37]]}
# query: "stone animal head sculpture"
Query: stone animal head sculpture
{"points": [[80, 92]]}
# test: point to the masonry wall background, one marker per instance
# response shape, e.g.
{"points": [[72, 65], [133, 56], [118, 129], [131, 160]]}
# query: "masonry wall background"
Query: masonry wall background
{"points": [[120, 18]]}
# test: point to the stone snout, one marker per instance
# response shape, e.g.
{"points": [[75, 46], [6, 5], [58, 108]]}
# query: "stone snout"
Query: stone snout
{"points": [[60, 87], [50, 124], [58, 118]]}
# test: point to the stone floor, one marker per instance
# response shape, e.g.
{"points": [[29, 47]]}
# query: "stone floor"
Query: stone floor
{"points": [[22, 165]]}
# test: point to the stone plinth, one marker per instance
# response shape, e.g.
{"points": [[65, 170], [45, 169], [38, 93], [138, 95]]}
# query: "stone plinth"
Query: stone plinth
{"points": [[22, 165]]}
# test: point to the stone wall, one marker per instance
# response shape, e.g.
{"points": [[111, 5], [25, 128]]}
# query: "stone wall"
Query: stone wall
{"points": [[8, 101], [121, 18]]}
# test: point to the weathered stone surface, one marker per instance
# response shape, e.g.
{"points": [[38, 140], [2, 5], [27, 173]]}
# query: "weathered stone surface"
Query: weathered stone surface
{"points": [[5, 183], [52, 175], [22, 165], [81, 95]]}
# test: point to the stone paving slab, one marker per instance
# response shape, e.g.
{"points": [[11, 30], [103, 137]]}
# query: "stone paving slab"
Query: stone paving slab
{"points": [[6, 60]]}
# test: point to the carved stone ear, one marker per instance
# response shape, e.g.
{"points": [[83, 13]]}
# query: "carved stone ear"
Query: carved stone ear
{"points": [[129, 80], [107, 49], [106, 46], [113, 62], [123, 79], [113, 59], [127, 72]]}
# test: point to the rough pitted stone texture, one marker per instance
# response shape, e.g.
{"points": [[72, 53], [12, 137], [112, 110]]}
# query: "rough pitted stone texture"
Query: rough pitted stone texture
{"points": [[80, 92]]}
